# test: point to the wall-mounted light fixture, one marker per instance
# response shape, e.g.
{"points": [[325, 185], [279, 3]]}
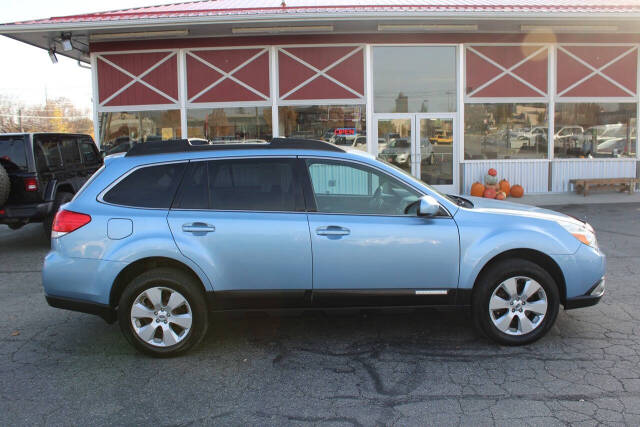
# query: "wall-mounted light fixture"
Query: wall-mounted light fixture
{"points": [[137, 35], [65, 39], [428, 27], [568, 28], [280, 30]]}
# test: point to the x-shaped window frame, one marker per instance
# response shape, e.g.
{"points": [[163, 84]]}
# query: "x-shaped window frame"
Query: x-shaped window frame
{"points": [[508, 71], [322, 72], [228, 75], [597, 71], [137, 78]]}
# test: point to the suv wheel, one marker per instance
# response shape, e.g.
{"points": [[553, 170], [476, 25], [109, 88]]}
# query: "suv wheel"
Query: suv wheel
{"points": [[61, 199], [515, 302], [163, 312], [5, 186]]}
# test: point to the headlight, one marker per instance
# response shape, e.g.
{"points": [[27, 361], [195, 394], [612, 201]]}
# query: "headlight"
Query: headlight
{"points": [[583, 232]]}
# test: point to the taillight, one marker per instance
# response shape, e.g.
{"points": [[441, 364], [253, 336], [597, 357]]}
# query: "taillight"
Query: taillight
{"points": [[68, 221], [30, 184]]}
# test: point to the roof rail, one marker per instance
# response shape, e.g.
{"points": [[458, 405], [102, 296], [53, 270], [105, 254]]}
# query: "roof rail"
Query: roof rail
{"points": [[183, 146]]}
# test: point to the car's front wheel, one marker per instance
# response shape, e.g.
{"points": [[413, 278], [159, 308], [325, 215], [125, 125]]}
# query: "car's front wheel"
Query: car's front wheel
{"points": [[163, 312], [515, 302]]}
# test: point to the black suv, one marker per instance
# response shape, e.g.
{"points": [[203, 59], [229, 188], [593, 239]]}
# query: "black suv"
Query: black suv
{"points": [[41, 171]]}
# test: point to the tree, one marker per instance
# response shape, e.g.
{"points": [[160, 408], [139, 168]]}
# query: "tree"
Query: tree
{"points": [[56, 115]]}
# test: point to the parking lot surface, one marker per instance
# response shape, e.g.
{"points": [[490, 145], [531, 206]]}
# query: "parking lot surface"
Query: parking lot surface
{"points": [[390, 368]]}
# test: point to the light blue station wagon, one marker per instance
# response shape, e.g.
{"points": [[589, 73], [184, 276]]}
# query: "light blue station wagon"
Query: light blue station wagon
{"points": [[163, 235]]}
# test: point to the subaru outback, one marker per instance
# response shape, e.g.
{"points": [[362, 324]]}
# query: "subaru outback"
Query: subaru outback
{"points": [[165, 234]]}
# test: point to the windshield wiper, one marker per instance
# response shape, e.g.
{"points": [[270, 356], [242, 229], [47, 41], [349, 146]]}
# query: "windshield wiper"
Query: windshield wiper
{"points": [[460, 201]]}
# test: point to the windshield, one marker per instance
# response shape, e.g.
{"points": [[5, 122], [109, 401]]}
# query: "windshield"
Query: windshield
{"points": [[12, 154]]}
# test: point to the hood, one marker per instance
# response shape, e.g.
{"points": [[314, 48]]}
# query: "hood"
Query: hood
{"points": [[502, 207]]}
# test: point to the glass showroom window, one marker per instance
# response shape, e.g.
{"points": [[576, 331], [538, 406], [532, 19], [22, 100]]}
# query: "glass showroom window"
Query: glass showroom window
{"points": [[505, 131], [122, 130], [590, 130], [227, 125], [343, 125], [414, 79]]}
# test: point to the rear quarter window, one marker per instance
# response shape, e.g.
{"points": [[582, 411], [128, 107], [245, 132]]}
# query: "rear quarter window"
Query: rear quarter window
{"points": [[12, 153], [147, 187]]}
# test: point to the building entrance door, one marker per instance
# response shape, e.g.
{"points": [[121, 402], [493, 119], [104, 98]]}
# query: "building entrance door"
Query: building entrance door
{"points": [[425, 145]]}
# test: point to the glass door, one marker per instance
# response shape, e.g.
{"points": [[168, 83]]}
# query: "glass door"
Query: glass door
{"points": [[435, 155], [395, 141], [422, 144]]}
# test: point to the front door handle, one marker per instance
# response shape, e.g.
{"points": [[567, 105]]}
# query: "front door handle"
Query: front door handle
{"points": [[198, 227], [332, 230]]}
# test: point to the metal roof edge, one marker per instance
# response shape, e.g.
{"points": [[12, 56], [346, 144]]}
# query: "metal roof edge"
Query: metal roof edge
{"points": [[9, 28]]}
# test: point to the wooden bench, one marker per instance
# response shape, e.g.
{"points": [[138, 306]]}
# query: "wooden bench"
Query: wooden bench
{"points": [[622, 184]]}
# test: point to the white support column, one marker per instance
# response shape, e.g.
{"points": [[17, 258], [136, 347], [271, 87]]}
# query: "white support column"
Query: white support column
{"points": [[459, 133], [182, 92], [273, 82], [551, 87], [638, 109], [94, 95], [552, 101], [372, 128]]}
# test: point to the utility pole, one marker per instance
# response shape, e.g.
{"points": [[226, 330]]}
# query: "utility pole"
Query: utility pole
{"points": [[20, 119]]}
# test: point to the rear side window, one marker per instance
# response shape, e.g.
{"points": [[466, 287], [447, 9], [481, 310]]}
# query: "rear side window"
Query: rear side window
{"points": [[12, 153], [147, 187], [70, 152], [243, 184], [47, 153]]}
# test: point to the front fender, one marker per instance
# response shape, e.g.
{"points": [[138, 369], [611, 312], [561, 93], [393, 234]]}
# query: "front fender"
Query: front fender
{"points": [[483, 239]]}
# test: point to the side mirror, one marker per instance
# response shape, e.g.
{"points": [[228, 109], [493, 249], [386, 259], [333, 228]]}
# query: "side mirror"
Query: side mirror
{"points": [[428, 206]]}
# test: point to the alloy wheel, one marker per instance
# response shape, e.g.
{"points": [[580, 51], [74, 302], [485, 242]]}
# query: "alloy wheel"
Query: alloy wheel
{"points": [[518, 305], [161, 316]]}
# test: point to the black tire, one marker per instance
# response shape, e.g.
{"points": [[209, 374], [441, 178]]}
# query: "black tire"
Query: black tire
{"points": [[61, 198], [177, 281], [492, 278], [5, 186]]}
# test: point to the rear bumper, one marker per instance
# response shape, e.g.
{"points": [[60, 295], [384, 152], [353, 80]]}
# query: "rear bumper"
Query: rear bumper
{"points": [[104, 311], [22, 213]]}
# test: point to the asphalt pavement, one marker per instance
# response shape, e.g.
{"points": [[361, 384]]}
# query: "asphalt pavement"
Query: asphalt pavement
{"points": [[391, 368]]}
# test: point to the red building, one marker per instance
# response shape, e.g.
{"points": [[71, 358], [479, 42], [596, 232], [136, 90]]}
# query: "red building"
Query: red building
{"points": [[542, 90]]}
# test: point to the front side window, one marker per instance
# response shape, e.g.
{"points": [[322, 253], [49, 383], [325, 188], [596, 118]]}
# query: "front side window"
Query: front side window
{"points": [[241, 184], [89, 153], [147, 187], [350, 188]]}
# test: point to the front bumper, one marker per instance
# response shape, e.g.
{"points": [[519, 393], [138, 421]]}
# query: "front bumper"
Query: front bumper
{"points": [[25, 213], [592, 297], [104, 311]]}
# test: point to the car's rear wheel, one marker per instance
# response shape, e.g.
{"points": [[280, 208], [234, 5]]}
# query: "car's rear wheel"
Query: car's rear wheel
{"points": [[163, 312], [61, 198], [5, 186], [515, 302]]}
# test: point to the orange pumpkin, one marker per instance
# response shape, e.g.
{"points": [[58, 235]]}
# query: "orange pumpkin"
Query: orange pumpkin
{"points": [[505, 186], [490, 193], [501, 195], [517, 191], [477, 189]]}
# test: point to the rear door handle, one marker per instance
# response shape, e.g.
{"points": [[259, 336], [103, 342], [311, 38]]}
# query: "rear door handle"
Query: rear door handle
{"points": [[198, 227], [332, 230]]}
